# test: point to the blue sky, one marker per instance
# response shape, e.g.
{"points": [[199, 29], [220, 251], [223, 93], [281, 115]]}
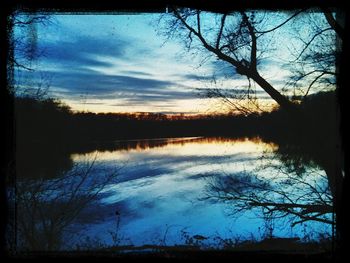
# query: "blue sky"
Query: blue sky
{"points": [[115, 63], [119, 63]]}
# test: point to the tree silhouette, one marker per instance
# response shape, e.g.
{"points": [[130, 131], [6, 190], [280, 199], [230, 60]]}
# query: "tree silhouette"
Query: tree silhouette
{"points": [[234, 38], [44, 208], [242, 40], [23, 42], [299, 195], [23, 51], [316, 62]]}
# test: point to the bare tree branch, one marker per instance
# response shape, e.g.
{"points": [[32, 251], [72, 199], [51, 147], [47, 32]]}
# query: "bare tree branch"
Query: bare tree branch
{"points": [[253, 38], [198, 22], [243, 36], [282, 24], [313, 82], [307, 44], [204, 42], [47, 207], [223, 18]]}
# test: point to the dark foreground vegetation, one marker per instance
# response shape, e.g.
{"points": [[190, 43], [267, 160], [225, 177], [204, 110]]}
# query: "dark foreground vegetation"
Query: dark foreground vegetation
{"points": [[266, 248]]}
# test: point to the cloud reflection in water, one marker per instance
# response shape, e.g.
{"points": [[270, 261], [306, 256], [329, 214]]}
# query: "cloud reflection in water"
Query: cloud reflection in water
{"points": [[163, 184]]}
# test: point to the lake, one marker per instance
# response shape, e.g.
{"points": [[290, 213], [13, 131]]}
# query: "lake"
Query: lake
{"points": [[186, 191]]}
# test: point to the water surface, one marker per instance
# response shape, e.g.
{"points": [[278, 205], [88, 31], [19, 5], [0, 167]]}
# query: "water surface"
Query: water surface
{"points": [[161, 195]]}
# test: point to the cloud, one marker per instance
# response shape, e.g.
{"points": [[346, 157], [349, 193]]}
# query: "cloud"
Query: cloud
{"points": [[127, 104], [162, 95], [175, 112], [233, 91], [95, 85], [219, 70], [192, 76], [158, 99], [82, 51], [135, 72], [82, 80], [70, 64], [92, 103], [78, 65], [222, 69]]}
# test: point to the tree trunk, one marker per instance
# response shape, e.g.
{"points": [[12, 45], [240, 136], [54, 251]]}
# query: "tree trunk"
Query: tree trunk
{"points": [[274, 94]]}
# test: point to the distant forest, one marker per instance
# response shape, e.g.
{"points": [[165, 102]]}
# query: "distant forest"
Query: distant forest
{"points": [[49, 120]]}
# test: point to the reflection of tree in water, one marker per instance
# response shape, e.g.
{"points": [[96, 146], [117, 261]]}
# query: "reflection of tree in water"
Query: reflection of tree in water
{"points": [[145, 144], [44, 208], [41, 160], [293, 189], [284, 195]]}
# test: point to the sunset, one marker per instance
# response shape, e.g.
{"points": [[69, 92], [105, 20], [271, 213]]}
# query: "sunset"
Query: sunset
{"points": [[175, 132], [126, 63]]}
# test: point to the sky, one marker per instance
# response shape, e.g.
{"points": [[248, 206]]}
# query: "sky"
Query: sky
{"points": [[121, 63]]}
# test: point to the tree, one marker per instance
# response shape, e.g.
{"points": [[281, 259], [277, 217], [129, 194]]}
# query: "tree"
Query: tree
{"points": [[316, 60], [234, 38], [23, 51], [242, 39], [23, 38], [44, 208], [316, 67]]}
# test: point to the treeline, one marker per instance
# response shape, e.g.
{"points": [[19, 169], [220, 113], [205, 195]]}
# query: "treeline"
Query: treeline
{"points": [[51, 121]]}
